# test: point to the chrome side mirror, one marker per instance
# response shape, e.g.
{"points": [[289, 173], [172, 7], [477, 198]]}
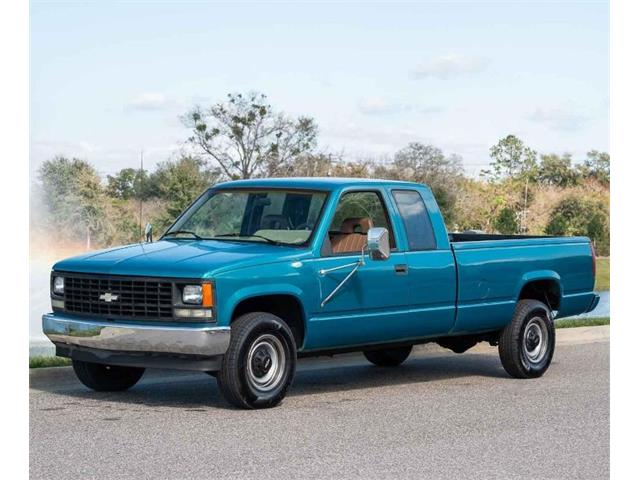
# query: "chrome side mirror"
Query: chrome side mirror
{"points": [[378, 243]]}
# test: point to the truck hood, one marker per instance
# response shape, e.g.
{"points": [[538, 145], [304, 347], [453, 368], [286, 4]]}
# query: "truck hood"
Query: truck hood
{"points": [[178, 258]]}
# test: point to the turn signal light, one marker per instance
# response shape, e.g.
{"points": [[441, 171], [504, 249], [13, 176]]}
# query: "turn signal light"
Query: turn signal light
{"points": [[207, 295]]}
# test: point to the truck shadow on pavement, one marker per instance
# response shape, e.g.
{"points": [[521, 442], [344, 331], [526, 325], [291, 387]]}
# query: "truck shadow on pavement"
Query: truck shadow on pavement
{"points": [[195, 391]]}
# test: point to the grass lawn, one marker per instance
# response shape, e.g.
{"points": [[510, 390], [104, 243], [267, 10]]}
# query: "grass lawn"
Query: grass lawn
{"points": [[602, 274], [42, 361], [582, 322]]}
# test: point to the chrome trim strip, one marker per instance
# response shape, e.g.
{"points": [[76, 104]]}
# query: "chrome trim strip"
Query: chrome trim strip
{"points": [[209, 341]]}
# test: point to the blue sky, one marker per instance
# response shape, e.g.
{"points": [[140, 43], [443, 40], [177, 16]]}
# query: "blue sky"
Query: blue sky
{"points": [[111, 79]]}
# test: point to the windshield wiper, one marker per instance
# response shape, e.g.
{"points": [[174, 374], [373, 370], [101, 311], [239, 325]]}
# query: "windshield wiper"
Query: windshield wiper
{"points": [[185, 232], [270, 241]]}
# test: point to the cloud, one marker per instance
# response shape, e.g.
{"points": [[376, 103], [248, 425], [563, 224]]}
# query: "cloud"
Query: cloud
{"points": [[379, 105], [449, 66], [148, 101], [558, 118], [382, 106]]}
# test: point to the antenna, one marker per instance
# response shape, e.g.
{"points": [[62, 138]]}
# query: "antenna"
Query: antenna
{"points": [[140, 191]]}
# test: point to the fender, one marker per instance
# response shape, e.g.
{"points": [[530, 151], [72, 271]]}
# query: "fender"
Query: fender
{"points": [[226, 310], [539, 275]]}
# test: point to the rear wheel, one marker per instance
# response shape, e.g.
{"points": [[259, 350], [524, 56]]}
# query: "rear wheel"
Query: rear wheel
{"points": [[527, 344], [259, 365], [388, 357], [106, 378]]}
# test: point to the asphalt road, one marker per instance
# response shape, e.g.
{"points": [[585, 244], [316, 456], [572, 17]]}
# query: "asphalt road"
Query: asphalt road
{"points": [[440, 415]]}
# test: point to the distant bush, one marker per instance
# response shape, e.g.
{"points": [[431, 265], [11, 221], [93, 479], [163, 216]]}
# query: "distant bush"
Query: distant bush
{"points": [[506, 222], [582, 216]]}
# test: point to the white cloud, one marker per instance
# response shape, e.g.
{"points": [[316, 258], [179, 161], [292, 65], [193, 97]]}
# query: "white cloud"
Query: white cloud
{"points": [[379, 105], [382, 106], [148, 101], [449, 66], [558, 118]]}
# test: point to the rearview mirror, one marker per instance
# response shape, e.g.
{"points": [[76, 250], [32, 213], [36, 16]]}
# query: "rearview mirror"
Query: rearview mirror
{"points": [[378, 243]]}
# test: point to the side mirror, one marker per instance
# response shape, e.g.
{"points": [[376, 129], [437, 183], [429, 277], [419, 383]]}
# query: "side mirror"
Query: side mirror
{"points": [[378, 243]]}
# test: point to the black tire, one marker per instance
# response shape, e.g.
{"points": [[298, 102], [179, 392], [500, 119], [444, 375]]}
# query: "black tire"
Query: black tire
{"points": [[106, 378], [388, 357], [519, 354], [260, 363]]}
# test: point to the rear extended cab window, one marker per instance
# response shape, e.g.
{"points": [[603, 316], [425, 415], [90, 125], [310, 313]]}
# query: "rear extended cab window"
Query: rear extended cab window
{"points": [[416, 220]]}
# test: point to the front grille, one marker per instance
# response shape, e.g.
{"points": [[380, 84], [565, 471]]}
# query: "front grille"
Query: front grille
{"points": [[136, 297]]}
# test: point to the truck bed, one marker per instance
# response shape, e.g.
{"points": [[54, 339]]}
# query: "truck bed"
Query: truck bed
{"points": [[493, 269]]}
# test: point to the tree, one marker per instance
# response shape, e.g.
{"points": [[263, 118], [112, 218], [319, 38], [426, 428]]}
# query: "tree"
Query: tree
{"points": [[581, 216], [512, 159], [557, 171], [74, 198], [428, 165], [247, 138], [597, 167], [130, 183], [310, 165], [181, 181], [506, 222]]}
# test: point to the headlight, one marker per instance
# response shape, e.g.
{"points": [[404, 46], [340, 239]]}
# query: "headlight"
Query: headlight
{"points": [[192, 294], [58, 285]]}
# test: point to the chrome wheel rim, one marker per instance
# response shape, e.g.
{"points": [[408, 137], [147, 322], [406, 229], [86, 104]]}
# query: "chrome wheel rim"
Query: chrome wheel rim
{"points": [[265, 363], [535, 340]]}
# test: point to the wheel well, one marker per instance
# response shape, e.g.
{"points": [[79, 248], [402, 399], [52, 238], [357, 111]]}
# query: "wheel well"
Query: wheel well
{"points": [[287, 307], [546, 291]]}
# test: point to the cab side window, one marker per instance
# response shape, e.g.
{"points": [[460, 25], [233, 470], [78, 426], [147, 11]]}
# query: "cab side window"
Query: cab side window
{"points": [[356, 214], [416, 220]]}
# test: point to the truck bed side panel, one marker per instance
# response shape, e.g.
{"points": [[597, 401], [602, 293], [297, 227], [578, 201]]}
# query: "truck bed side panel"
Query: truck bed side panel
{"points": [[491, 275]]}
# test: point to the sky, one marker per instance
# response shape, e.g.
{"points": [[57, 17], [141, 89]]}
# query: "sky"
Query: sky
{"points": [[109, 80]]}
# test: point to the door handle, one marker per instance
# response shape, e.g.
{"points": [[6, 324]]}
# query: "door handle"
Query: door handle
{"points": [[401, 268]]}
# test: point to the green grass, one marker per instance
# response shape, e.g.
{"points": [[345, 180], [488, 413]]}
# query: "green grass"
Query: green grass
{"points": [[602, 274], [582, 322], [42, 362]]}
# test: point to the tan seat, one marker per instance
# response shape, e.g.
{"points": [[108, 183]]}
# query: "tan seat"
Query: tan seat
{"points": [[352, 236]]}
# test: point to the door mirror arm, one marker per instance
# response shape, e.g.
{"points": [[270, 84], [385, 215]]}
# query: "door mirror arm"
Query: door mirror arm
{"points": [[378, 247], [355, 265]]}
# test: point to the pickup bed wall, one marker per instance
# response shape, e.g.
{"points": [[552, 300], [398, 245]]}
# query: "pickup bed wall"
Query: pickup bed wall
{"points": [[492, 273]]}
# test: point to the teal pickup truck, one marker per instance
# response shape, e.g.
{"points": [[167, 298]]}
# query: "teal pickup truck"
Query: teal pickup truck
{"points": [[256, 273]]}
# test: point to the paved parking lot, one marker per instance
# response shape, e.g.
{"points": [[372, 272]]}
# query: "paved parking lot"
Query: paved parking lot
{"points": [[440, 415]]}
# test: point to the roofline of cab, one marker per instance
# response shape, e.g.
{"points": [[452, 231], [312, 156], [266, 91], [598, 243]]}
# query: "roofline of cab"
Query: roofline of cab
{"points": [[311, 183]]}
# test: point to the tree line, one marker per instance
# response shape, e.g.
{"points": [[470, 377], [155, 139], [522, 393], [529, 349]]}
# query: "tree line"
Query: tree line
{"points": [[522, 191]]}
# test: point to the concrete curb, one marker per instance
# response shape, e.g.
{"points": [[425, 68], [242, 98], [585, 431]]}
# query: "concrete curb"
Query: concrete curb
{"points": [[580, 335]]}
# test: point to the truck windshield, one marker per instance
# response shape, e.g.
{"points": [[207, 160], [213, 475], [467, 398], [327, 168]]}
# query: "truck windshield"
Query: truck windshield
{"points": [[278, 217]]}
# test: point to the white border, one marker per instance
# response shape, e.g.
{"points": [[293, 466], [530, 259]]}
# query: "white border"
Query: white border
{"points": [[625, 154], [14, 132]]}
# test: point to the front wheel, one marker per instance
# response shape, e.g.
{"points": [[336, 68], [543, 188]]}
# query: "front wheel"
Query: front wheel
{"points": [[527, 344], [106, 378], [259, 365]]}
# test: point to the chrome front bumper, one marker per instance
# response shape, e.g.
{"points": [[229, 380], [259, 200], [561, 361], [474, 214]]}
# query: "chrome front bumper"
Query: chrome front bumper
{"points": [[122, 337]]}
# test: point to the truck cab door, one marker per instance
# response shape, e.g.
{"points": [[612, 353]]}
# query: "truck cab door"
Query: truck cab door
{"points": [[366, 308]]}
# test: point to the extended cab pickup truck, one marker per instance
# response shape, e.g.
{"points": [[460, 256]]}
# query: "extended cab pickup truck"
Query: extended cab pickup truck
{"points": [[256, 273]]}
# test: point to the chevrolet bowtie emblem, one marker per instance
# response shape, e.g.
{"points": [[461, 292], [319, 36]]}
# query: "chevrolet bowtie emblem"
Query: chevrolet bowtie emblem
{"points": [[108, 297]]}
